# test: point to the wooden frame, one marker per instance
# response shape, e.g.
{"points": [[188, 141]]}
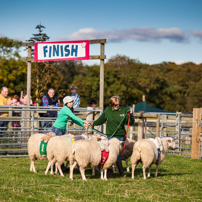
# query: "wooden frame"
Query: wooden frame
{"points": [[101, 57]]}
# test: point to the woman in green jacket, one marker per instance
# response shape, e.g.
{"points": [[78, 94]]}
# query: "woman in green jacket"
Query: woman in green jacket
{"points": [[65, 114], [116, 117]]}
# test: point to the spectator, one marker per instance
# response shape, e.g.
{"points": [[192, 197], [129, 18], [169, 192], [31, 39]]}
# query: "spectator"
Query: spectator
{"points": [[75, 96], [15, 101], [23, 101], [4, 98], [93, 103], [49, 100]]}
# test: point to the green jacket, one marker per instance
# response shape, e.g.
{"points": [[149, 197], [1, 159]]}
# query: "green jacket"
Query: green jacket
{"points": [[114, 118], [64, 115]]}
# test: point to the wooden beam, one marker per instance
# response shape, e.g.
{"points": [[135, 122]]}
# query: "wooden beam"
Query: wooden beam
{"points": [[90, 41], [97, 41], [94, 57], [91, 57], [28, 59], [28, 44], [196, 133]]}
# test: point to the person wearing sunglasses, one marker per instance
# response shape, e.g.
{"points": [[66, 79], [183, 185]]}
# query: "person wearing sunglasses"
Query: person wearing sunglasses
{"points": [[116, 117], [64, 115]]}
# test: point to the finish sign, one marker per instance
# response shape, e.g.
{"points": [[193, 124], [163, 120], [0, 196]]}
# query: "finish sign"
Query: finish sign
{"points": [[61, 50]]}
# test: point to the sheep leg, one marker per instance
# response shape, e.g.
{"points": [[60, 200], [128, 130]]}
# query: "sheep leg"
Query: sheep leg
{"points": [[157, 167], [105, 174], [59, 168], [93, 171], [149, 171], [128, 169], [144, 169], [82, 171], [101, 174], [72, 166], [32, 168], [47, 169], [133, 169]]}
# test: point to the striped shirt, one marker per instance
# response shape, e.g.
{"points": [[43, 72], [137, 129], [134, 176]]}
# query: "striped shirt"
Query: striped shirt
{"points": [[76, 99]]}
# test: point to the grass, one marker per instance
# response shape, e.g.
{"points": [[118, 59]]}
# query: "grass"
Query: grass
{"points": [[179, 179]]}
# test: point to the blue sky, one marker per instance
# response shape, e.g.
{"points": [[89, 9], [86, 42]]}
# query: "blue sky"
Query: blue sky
{"points": [[152, 31]]}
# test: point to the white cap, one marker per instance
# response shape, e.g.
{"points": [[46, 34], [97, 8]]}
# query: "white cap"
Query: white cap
{"points": [[67, 99]]}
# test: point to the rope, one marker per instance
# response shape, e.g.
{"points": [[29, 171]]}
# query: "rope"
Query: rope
{"points": [[128, 113], [118, 126]]}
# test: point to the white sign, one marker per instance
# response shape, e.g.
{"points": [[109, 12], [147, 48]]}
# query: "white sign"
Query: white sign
{"points": [[62, 50]]}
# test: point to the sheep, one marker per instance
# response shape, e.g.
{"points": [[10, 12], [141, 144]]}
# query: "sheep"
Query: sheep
{"points": [[88, 153], [33, 148], [145, 151], [127, 152], [58, 151]]}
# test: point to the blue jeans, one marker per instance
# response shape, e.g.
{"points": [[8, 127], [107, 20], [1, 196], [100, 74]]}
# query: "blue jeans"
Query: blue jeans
{"points": [[3, 127], [58, 131], [120, 139]]}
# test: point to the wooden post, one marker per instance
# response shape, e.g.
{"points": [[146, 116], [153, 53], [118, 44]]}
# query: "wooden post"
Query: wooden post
{"points": [[158, 126], [196, 133], [102, 77], [140, 129], [29, 77]]}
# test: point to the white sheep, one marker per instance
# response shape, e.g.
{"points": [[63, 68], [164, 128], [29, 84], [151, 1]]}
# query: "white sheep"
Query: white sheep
{"points": [[34, 148], [145, 151], [126, 154], [88, 153], [58, 151]]}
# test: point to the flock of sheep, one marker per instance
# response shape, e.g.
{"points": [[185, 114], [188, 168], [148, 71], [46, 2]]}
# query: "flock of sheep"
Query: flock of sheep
{"points": [[86, 151]]}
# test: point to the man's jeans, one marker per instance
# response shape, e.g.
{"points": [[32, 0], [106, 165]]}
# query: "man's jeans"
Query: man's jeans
{"points": [[3, 127]]}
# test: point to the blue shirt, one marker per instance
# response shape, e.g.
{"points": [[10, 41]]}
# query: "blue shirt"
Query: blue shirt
{"points": [[76, 99]]}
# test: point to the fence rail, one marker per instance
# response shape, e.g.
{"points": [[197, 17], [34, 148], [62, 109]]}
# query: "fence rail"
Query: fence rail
{"points": [[13, 140], [23, 121]]}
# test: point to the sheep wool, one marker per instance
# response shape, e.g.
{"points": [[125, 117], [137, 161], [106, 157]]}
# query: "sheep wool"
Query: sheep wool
{"points": [[33, 149], [58, 151], [145, 151], [88, 153]]}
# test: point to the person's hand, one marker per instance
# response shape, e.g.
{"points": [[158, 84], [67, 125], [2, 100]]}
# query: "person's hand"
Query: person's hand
{"points": [[131, 110], [86, 124]]}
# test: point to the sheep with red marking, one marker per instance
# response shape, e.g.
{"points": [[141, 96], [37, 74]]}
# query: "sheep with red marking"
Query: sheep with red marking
{"points": [[88, 153]]}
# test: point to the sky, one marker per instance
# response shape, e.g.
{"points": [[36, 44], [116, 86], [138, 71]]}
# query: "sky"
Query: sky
{"points": [[151, 31]]}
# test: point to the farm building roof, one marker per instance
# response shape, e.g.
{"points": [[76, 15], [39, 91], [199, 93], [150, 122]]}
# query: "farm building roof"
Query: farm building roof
{"points": [[143, 106]]}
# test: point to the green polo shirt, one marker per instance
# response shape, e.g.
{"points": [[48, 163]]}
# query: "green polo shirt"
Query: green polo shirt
{"points": [[114, 118], [63, 116]]}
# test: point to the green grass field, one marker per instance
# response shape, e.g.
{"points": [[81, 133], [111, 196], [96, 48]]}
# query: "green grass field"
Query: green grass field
{"points": [[179, 179]]}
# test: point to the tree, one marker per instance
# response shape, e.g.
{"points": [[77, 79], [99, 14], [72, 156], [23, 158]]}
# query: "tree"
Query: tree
{"points": [[44, 74]]}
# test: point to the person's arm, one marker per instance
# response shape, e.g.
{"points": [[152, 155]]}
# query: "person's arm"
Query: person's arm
{"points": [[74, 118], [102, 119], [45, 101]]}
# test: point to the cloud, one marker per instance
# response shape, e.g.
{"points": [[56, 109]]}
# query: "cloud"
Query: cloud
{"points": [[136, 34], [19, 38], [1, 35], [197, 34]]}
